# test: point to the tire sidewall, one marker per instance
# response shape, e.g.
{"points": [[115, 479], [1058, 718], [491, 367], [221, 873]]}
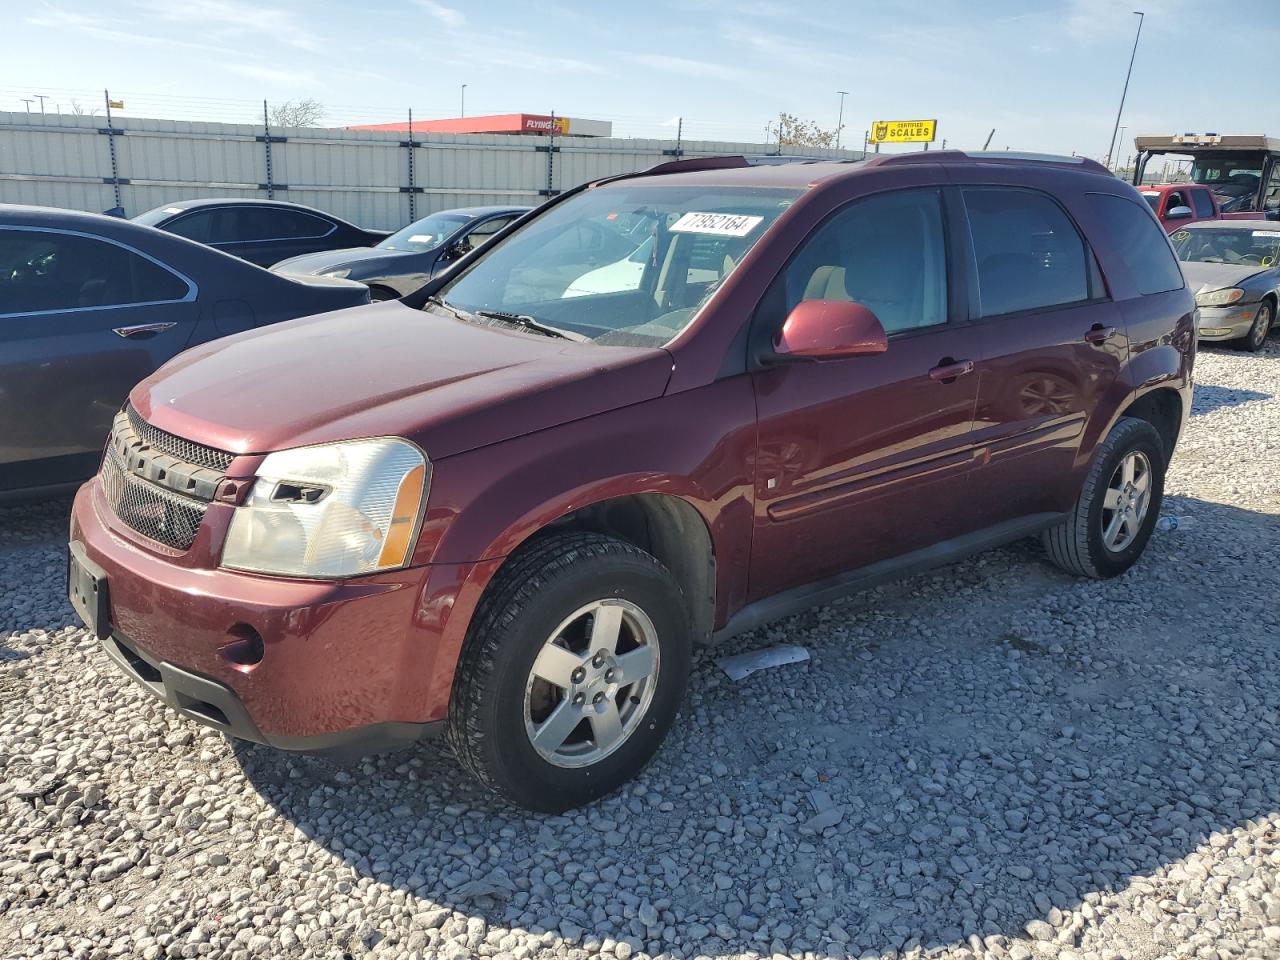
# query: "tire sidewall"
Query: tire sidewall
{"points": [[621, 577], [1256, 339], [1133, 435]]}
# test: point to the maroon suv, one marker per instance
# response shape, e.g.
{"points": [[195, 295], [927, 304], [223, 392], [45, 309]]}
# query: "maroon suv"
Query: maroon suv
{"points": [[664, 409]]}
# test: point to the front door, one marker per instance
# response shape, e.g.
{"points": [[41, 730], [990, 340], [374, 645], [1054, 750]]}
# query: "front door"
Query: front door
{"points": [[82, 319], [865, 459]]}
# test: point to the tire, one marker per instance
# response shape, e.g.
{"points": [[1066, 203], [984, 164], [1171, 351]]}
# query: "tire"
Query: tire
{"points": [[497, 696], [1078, 544], [1256, 338]]}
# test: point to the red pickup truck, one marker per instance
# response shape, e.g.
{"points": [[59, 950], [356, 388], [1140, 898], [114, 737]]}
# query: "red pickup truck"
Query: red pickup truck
{"points": [[1177, 204]]}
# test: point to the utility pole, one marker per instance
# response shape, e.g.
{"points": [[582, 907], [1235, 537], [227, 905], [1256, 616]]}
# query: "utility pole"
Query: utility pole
{"points": [[840, 118], [27, 101], [42, 98], [1141, 17], [1120, 141], [462, 107], [987, 145]]}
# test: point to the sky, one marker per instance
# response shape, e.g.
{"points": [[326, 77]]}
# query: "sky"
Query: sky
{"points": [[1046, 75]]}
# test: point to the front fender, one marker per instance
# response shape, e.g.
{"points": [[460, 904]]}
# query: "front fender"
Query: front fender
{"points": [[697, 445]]}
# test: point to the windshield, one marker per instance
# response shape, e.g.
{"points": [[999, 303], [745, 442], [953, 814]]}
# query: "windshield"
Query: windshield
{"points": [[1234, 177], [1153, 199], [427, 233], [1258, 248], [158, 215], [628, 264]]}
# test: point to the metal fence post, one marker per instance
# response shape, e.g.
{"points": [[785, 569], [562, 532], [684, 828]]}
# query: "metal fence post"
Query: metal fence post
{"points": [[413, 207], [115, 165], [266, 129], [550, 149]]}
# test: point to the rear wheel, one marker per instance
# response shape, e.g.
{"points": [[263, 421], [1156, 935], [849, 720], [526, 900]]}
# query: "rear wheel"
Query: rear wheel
{"points": [[1256, 338], [572, 672], [1117, 507]]}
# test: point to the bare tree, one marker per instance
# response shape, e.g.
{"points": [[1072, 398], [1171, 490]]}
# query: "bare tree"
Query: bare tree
{"points": [[298, 113], [792, 131], [77, 110]]}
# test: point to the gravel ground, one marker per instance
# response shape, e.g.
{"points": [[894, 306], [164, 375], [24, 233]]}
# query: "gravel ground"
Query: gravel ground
{"points": [[994, 760]]}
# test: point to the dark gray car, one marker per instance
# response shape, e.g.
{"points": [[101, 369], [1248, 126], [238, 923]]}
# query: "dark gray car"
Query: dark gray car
{"points": [[260, 231], [1234, 268], [90, 305], [407, 259]]}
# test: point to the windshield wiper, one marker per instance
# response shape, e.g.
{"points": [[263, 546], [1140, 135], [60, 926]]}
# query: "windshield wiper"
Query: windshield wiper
{"points": [[532, 323]]}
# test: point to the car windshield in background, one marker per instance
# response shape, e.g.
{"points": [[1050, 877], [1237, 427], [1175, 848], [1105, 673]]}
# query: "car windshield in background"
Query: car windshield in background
{"points": [[1259, 248], [1153, 199], [1234, 178], [425, 234], [623, 265]]}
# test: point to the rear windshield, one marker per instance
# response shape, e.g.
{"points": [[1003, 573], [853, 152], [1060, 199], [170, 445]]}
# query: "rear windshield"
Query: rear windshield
{"points": [[627, 264], [157, 215]]}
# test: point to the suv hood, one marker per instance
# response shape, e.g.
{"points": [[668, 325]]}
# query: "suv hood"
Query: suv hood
{"points": [[1214, 276], [389, 370]]}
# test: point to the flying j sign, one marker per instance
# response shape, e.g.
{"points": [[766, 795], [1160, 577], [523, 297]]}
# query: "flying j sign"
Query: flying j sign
{"points": [[903, 131]]}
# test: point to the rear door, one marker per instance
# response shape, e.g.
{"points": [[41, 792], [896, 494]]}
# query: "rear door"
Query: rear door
{"points": [[866, 458], [267, 235], [82, 319], [1053, 344]]}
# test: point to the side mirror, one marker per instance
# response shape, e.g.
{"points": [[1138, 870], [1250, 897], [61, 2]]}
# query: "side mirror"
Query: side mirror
{"points": [[830, 330], [456, 250], [1178, 213]]}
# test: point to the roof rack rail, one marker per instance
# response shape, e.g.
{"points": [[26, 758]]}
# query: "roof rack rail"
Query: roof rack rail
{"points": [[942, 156]]}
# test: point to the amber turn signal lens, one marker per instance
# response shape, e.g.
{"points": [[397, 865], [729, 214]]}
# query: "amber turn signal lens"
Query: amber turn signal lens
{"points": [[395, 550]]}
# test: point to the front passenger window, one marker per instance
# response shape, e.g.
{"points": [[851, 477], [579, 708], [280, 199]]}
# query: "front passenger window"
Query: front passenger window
{"points": [[886, 252]]}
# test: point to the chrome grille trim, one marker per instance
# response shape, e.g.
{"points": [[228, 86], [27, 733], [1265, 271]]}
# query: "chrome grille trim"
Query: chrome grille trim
{"points": [[176, 447]]}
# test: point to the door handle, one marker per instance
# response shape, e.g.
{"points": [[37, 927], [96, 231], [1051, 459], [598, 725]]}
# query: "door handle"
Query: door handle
{"points": [[948, 370], [142, 330], [1098, 334]]}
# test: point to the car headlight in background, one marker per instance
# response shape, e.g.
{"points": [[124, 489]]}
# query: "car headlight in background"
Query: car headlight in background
{"points": [[334, 510], [1219, 298], [341, 274]]}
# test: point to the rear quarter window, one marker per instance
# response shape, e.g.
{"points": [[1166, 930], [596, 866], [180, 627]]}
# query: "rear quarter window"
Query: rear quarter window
{"points": [[1140, 243], [1202, 203]]}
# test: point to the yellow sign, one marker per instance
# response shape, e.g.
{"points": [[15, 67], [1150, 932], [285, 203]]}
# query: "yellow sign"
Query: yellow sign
{"points": [[116, 104], [903, 131]]}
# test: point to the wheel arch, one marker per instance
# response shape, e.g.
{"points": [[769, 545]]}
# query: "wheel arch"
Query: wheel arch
{"points": [[667, 526], [1162, 407]]}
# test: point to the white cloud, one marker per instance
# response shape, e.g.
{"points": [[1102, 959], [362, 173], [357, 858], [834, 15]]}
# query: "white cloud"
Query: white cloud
{"points": [[703, 69], [451, 18], [234, 17], [293, 79]]}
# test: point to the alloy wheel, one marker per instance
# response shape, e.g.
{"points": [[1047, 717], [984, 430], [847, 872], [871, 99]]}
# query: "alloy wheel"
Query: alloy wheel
{"points": [[1125, 504], [592, 683]]}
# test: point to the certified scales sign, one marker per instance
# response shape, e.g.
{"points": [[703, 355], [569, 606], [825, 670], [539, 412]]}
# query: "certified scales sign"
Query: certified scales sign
{"points": [[903, 131]]}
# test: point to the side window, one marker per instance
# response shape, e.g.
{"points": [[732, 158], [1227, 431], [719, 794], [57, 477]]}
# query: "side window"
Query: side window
{"points": [[196, 226], [268, 223], [484, 233], [1271, 199], [1202, 203], [886, 252], [61, 271], [1140, 243], [1028, 252]]}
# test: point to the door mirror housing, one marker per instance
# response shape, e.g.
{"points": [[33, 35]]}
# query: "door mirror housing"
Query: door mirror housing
{"points": [[830, 330], [1179, 213]]}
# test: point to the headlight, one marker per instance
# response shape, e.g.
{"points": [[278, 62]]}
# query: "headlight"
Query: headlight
{"points": [[337, 274], [335, 510], [1219, 298]]}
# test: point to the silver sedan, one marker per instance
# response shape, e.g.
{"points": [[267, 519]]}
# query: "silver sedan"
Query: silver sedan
{"points": [[1232, 265]]}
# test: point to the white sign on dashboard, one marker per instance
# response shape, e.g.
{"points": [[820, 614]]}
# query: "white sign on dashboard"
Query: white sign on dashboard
{"points": [[720, 224]]}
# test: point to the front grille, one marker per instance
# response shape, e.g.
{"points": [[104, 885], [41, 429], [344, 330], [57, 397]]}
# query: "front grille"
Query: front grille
{"points": [[177, 447], [159, 484], [153, 511]]}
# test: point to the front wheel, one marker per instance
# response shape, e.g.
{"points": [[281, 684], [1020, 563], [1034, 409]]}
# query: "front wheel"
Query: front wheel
{"points": [[1118, 506], [572, 671], [1256, 338]]}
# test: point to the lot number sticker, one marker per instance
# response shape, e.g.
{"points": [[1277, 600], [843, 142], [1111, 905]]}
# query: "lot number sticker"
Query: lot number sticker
{"points": [[720, 224]]}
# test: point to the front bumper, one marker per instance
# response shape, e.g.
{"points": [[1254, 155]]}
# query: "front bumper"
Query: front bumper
{"points": [[1226, 323], [354, 666]]}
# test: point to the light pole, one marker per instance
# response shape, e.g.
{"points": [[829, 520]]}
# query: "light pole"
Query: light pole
{"points": [[1141, 16], [840, 118], [462, 107]]}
